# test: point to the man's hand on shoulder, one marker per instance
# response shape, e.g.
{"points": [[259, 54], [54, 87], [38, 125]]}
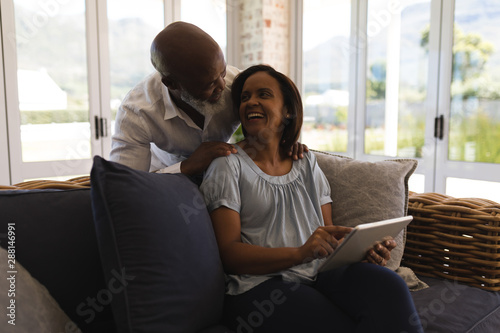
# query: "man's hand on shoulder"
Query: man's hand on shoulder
{"points": [[298, 150], [201, 158]]}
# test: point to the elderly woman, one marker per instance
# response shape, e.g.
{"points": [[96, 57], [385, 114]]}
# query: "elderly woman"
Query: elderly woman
{"points": [[272, 220]]}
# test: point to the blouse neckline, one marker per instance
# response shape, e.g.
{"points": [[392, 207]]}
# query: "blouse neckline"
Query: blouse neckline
{"points": [[283, 179]]}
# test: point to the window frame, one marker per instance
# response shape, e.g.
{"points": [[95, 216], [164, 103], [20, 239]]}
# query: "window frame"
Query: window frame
{"points": [[4, 143]]}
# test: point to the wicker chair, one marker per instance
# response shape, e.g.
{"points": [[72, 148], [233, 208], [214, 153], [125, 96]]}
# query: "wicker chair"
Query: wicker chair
{"points": [[79, 182], [456, 239]]}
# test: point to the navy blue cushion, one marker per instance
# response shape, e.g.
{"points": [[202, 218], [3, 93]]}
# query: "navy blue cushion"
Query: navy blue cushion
{"points": [[155, 233], [56, 242]]}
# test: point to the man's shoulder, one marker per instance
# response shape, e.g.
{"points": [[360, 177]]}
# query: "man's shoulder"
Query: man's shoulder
{"points": [[231, 73], [149, 85], [146, 93], [149, 81]]}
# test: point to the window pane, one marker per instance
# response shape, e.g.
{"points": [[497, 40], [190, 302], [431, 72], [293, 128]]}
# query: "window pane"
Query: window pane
{"points": [[52, 80], [396, 80], [416, 183], [132, 26], [475, 90], [326, 56], [470, 188], [209, 15]]}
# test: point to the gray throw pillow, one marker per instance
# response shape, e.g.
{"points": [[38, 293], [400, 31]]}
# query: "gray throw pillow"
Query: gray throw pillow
{"points": [[365, 192]]}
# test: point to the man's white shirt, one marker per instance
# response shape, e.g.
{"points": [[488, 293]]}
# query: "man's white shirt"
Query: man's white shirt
{"points": [[153, 134]]}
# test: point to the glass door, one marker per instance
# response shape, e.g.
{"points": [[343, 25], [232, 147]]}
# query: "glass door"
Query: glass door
{"points": [[209, 15], [469, 151], [398, 84], [431, 73], [327, 62], [46, 66], [68, 65], [132, 26]]}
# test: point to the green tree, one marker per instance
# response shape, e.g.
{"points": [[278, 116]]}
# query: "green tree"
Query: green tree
{"points": [[375, 83], [470, 56], [341, 115]]}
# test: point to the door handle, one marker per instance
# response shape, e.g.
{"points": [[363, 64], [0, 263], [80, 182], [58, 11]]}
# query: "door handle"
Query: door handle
{"points": [[439, 127], [101, 127]]}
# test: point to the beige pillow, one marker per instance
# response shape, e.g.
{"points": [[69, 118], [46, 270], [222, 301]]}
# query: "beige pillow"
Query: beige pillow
{"points": [[27, 303], [365, 192]]}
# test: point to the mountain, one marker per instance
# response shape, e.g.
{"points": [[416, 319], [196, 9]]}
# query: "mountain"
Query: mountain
{"points": [[326, 66]]}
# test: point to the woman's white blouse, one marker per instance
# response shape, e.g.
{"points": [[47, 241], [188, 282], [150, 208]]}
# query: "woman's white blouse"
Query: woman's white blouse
{"points": [[275, 211]]}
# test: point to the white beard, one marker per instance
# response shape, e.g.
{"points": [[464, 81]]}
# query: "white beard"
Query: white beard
{"points": [[206, 108]]}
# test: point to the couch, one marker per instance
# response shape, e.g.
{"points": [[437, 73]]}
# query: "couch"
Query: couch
{"points": [[130, 251]]}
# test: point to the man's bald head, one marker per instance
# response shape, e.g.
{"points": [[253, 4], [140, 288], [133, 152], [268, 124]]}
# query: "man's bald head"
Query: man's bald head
{"points": [[183, 49]]}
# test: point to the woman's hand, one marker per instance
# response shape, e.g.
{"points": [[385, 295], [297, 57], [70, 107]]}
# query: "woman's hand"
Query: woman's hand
{"points": [[381, 252], [322, 242]]}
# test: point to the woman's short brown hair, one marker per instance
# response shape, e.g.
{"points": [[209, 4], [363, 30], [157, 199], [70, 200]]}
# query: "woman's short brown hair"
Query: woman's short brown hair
{"points": [[291, 100]]}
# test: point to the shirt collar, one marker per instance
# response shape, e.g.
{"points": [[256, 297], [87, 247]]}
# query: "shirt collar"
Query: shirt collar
{"points": [[171, 110]]}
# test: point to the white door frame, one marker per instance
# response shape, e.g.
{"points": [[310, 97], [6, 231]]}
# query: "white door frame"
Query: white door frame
{"points": [[4, 143], [11, 93]]}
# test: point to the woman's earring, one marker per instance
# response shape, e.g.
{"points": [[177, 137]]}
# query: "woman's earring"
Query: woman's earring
{"points": [[288, 116]]}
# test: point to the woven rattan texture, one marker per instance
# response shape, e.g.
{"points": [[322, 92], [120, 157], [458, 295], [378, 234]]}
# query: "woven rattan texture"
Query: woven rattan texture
{"points": [[456, 239], [79, 182]]}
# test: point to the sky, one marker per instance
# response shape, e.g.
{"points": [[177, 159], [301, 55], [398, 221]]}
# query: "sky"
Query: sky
{"points": [[332, 18], [152, 9]]}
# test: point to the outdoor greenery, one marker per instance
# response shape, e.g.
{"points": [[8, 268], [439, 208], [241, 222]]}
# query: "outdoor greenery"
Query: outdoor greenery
{"points": [[238, 135], [474, 129], [56, 116], [474, 121], [375, 83], [59, 48]]}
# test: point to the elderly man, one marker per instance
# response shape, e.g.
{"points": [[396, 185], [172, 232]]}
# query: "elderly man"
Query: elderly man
{"points": [[179, 118]]}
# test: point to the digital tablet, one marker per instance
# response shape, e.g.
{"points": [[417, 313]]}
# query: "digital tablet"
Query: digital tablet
{"points": [[361, 239]]}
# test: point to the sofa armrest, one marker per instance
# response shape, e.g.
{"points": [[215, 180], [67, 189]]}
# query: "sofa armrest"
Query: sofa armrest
{"points": [[455, 239]]}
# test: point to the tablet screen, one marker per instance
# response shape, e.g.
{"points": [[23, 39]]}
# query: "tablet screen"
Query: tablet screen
{"points": [[361, 239]]}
